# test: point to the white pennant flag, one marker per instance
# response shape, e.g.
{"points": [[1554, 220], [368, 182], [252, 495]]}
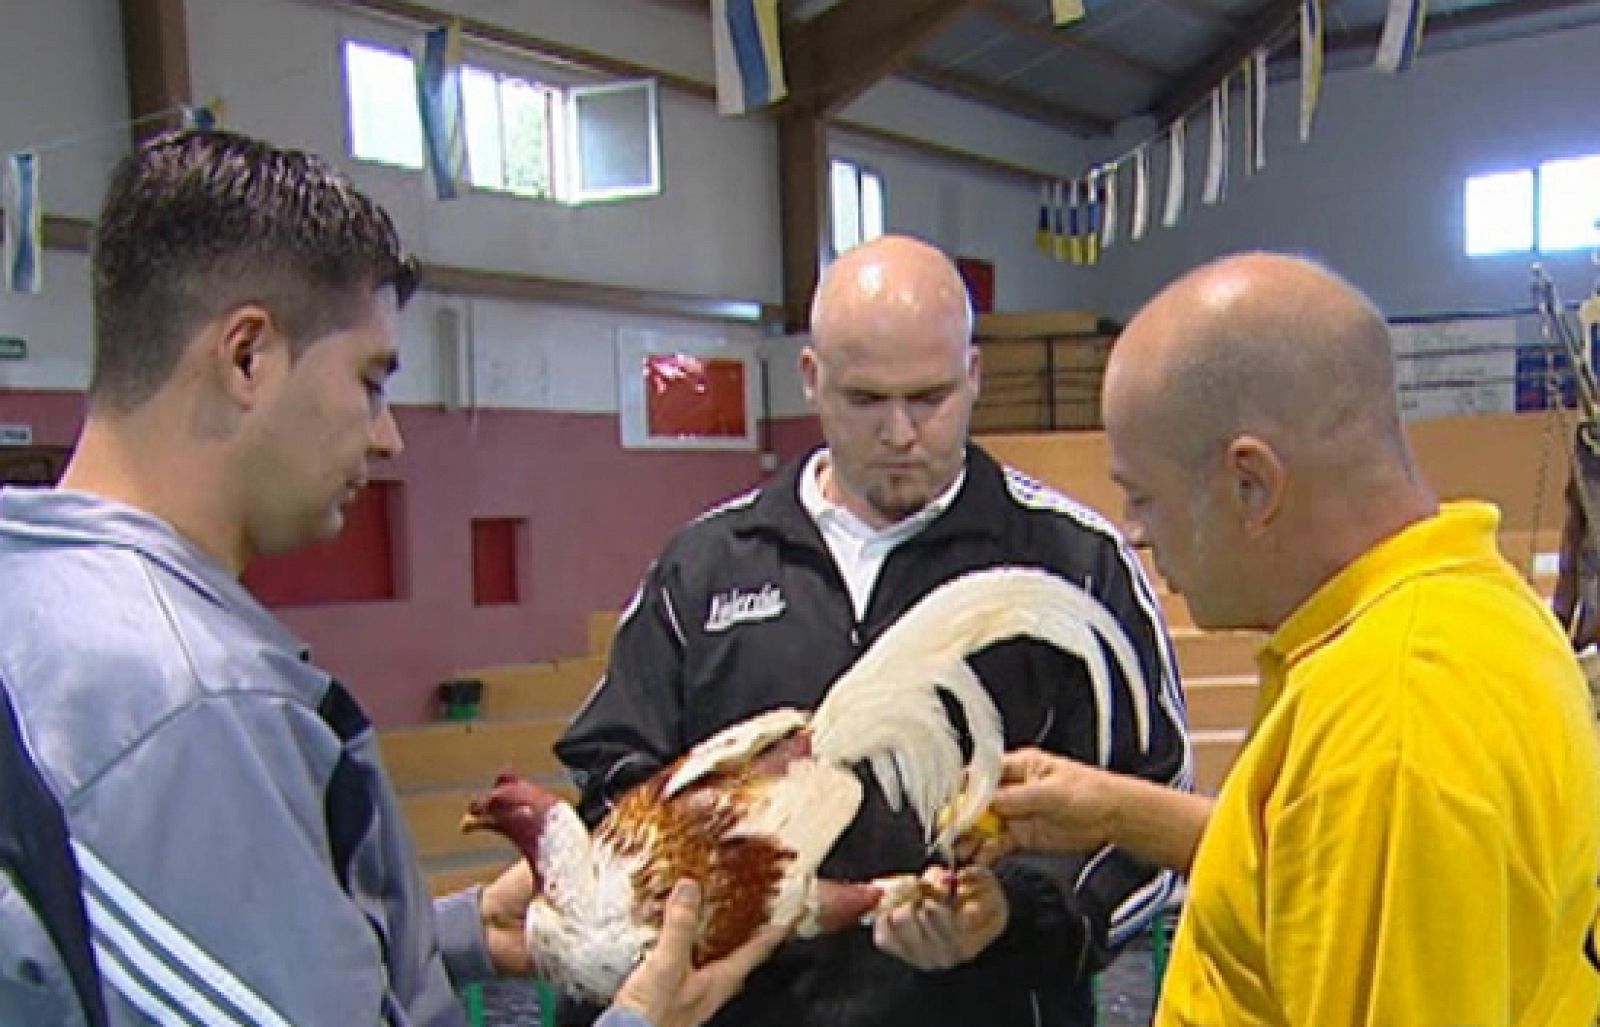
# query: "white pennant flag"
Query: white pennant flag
{"points": [[1311, 63], [1108, 219], [1175, 169], [1402, 35], [1258, 112], [1216, 185], [1141, 194]]}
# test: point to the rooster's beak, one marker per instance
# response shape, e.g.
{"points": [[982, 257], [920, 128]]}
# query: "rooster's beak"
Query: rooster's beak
{"points": [[476, 822]]}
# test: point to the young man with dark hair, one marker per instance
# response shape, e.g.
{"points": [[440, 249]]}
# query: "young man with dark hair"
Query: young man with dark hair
{"points": [[243, 854]]}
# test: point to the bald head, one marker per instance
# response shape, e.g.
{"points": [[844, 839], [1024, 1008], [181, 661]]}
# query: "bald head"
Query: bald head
{"points": [[1272, 345], [892, 374], [1251, 418], [893, 287]]}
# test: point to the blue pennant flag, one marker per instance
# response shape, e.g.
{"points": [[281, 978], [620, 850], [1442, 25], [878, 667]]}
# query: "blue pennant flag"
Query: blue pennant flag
{"points": [[444, 130], [23, 225], [749, 53]]}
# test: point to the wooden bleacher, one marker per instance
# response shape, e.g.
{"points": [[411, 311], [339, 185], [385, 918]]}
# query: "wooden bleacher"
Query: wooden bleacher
{"points": [[436, 768], [526, 706]]}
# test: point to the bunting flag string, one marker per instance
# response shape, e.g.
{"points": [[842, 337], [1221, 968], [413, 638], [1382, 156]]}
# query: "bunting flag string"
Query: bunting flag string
{"points": [[1141, 193], [1402, 35], [748, 50], [1090, 205], [441, 108], [1216, 184], [1311, 64], [23, 225], [1258, 111], [1173, 208]]}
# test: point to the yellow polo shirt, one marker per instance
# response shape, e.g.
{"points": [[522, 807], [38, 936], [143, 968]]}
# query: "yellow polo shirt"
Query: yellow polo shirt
{"points": [[1411, 836]]}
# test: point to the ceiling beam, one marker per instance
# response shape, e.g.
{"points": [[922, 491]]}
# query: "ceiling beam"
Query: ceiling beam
{"points": [[155, 44], [998, 12], [802, 210], [1267, 26], [1023, 105], [838, 55]]}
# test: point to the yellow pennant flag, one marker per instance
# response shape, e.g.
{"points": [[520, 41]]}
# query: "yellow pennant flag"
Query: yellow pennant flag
{"points": [[1065, 12]]}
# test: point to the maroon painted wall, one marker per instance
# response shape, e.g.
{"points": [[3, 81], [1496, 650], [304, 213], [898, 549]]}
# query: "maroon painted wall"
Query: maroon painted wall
{"points": [[596, 515]]}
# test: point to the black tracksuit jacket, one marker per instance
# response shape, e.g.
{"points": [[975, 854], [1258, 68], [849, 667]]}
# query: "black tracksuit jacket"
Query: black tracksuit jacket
{"points": [[678, 674]]}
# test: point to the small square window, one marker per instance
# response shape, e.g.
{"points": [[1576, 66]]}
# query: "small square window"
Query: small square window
{"points": [[1499, 213]]}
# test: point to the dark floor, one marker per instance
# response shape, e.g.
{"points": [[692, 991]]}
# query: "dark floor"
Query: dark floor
{"points": [[1125, 994]]}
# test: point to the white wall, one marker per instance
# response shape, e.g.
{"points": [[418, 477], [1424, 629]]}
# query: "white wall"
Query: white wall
{"points": [[1377, 192], [61, 84], [713, 231]]}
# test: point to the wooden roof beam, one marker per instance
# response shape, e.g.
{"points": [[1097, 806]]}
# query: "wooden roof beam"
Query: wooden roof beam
{"points": [[155, 43], [838, 55]]}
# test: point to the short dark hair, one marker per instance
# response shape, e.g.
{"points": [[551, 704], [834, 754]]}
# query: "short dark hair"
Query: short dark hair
{"points": [[196, 223]]}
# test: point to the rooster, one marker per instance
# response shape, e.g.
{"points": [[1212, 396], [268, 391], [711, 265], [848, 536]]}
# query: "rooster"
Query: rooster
{"points": [[752, 811]]}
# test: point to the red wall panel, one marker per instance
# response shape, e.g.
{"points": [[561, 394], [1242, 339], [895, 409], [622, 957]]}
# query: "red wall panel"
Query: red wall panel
{"points": [[595, 514]]}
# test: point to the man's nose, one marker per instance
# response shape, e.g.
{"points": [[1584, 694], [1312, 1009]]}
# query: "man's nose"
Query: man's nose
{"points": [[899, 428], [386, 440]]}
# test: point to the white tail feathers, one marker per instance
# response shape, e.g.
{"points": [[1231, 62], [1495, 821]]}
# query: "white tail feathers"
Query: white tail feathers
{"points": [[886, 708]]}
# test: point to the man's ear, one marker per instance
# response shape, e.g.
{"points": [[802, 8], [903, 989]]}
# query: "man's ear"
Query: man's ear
{"points": [[1257, 477], [244, 348], [975, 369], [808, 376]]}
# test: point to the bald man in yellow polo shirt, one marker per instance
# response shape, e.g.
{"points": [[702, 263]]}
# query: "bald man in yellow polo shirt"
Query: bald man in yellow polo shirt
{"points": [[1411, 835]]}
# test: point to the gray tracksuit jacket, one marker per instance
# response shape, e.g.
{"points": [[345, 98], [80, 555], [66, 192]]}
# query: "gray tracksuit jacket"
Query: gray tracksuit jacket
{"points": [[242, 853]]}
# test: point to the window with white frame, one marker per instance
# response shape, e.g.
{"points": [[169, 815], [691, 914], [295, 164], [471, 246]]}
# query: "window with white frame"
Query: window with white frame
{"points": [[1547, 209], [856, 203], [508, 132], [576, 144]]}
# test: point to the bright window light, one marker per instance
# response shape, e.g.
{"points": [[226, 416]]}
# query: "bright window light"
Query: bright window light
{"points": [[871, 206], [845, 201], [508, 131], [1499, 213], [381, 90], [1569, 204], [857, 203]]}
